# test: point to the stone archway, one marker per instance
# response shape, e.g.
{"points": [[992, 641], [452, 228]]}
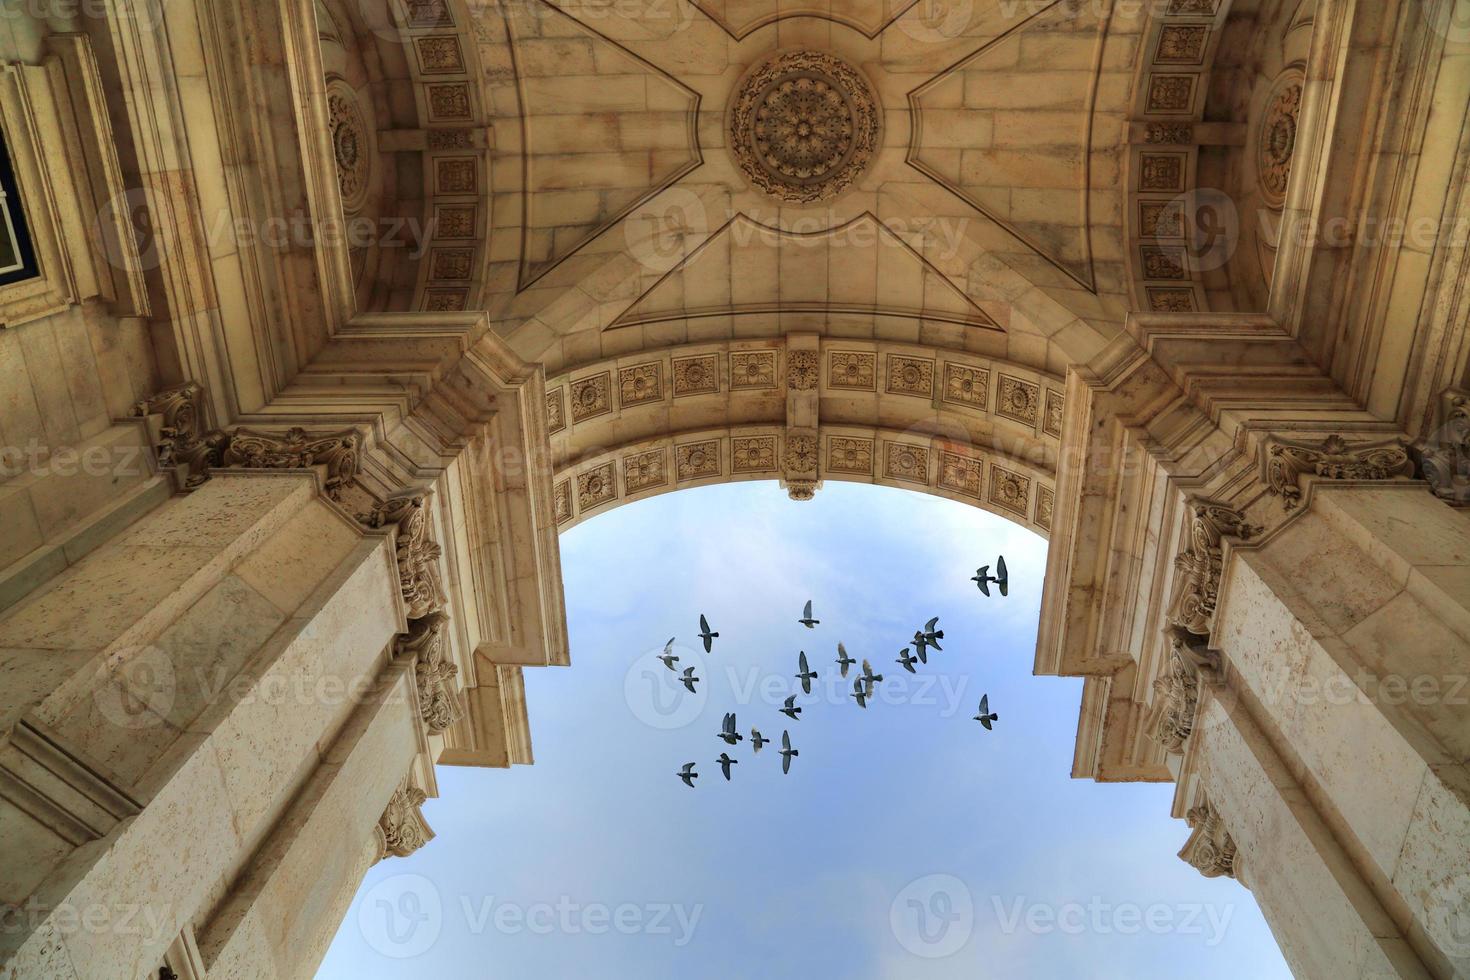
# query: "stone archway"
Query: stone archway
{"points": [[363, 478]]}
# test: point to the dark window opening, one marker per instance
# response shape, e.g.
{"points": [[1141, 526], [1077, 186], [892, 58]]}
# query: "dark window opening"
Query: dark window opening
{"points": [[17, 254]]}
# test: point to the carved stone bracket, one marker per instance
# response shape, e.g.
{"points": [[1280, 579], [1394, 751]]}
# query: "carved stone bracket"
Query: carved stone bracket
{"points": [[417, 554], [1210, 848], [296, 449], [424, 642], [1176, 695], [1198, 565], [1444, 458], [1332, 459], [181, 442], [799, 464], [402, 829]]}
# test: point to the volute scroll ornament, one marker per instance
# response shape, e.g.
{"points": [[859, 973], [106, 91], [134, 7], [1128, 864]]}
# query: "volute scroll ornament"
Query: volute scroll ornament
{"points": [[401, 829], [296, 449], [416, 553], [1332, 459], [1210, 849], [1198, 565], [1176, 695], [434, 671], [1444, 458]]}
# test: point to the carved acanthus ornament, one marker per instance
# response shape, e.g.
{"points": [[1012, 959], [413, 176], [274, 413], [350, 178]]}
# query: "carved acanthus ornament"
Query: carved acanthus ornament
{"points": [[1332, 459], [295, 449], [417, 553], [182, 443], [1198, 565], [1444, 458], [1176, 696], [402, 829], [435, 672], [1210, 848]]}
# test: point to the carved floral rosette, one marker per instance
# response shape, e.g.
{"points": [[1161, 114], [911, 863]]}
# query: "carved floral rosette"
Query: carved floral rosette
{"points": [[1210, 849], [434, 672], [1198, 565], [1332, 459], [417, 554], [402, 829], [803, 126]]}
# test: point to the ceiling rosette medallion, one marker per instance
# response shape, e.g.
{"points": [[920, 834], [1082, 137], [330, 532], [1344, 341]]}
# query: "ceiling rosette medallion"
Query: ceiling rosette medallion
{"points": [[804, 126]]}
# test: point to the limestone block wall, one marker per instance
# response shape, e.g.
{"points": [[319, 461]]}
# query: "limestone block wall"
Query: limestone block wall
{"points": [[168, 695]]}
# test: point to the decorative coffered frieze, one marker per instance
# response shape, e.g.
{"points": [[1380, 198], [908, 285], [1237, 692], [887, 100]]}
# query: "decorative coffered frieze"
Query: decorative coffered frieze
{"points": [[910, 376], [1198, 565], [697, 460], [1210, 849], [401, 829], [1334, 458], [434, 672], [855, 370], [753, 369]]}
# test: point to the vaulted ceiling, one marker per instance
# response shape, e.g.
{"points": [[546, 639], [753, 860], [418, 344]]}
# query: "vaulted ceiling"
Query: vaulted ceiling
{"points": [[1006, 178]]}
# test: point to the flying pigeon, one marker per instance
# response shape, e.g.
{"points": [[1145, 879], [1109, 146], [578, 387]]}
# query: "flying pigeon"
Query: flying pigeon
{"points": [[931, 635], [806, 617], [983, 578], [705, 634], [843, 660], [791, 710], [787, 752], [869, 677], [725, 763], [756, 739], [907, 661], [806, 675], [728, 732], [859, 692], [985, 717], [668, 655], [921, 647], [688, 774], [688, 679]]}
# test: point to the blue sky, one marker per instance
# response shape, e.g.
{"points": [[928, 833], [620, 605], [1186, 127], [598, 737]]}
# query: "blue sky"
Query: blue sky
{"points": [[907, 843]]}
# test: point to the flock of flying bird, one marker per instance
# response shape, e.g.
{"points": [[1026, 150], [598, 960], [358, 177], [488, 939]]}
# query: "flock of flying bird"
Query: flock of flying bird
{"points": [[862, 688]]}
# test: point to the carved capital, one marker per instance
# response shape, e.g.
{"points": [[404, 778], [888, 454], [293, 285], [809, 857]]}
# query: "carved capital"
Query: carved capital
{"points": [[417, 554], [434, 672], [1198, 564], [1176, 696], [1444, 457], [182, 408], [402, 829], [1332, 459], [1210, 848], [295, 449]]}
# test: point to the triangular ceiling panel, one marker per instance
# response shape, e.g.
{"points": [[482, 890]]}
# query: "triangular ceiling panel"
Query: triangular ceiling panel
{"points": [[860, 268], [740, 17], [603, 129], [1014, 144]]}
